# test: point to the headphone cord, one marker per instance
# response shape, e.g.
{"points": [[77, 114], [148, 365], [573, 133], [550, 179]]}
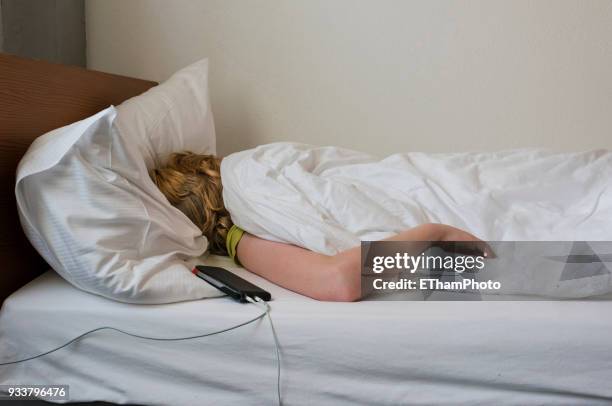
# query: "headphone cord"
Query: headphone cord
{"points": [[267, 310], [257, 301]]}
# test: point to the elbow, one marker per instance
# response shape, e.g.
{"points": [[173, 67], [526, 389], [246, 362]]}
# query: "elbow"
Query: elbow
{"points": [[347, 294], [344, 281], [339, 294]]}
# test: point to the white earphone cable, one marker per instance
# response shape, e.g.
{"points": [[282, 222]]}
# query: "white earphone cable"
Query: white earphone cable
{"points": [[257, 301]]}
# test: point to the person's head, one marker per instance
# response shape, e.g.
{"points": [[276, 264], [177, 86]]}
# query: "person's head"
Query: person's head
{"points": [[192, 184]]}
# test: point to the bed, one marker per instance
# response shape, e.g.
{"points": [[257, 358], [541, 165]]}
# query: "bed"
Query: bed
{"points": [[371, 352]]}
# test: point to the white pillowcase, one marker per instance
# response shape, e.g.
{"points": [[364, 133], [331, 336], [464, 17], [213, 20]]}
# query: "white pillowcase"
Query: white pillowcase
{"points": [[88, 205], [174, 116]]}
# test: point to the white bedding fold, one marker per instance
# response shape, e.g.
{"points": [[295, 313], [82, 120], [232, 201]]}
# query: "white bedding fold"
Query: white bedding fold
{"points": [[328, 199]]}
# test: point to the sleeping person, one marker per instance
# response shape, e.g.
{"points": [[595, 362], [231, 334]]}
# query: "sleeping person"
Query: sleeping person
{"points": [[295, 214], [193, 184]]}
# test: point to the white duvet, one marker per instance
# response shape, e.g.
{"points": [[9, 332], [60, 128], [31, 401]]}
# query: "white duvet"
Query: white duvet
{"points": [[328, 199]]}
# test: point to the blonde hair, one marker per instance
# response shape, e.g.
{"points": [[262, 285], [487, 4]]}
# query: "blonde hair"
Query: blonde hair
{"points": [[192, 184]]}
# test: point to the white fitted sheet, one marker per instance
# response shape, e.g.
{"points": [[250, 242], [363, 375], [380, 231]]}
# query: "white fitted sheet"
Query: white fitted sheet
{"points": [[465, 353]]}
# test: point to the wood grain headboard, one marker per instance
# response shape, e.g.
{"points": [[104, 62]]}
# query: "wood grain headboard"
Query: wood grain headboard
{"points": [[36, 97]]}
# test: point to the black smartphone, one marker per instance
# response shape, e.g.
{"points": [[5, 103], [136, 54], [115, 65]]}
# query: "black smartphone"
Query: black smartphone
{"points": [[230, 283]]}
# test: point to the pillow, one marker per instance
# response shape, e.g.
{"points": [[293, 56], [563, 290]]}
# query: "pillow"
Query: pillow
{"points": [[88, 205], [174, 116]]}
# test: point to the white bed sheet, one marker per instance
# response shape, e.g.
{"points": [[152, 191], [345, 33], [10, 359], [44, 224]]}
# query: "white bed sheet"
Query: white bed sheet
{"points": [[384, 353]]}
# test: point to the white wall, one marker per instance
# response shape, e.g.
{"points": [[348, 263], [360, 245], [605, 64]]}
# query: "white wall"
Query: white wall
{"points": [[377, 75]]}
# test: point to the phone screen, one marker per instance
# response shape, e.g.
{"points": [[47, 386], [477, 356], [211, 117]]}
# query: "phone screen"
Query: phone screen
{"points": [[231, 284]]}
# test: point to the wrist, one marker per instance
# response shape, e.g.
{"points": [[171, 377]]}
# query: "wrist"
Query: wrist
{"points": [[436, 232]]}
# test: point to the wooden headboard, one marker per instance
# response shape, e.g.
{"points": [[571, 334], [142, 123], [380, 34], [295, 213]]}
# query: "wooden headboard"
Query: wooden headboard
{"points": [[36, 97]]}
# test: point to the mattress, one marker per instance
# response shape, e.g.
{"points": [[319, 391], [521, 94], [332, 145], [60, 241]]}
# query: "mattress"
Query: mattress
{"points": [[370, 352]]}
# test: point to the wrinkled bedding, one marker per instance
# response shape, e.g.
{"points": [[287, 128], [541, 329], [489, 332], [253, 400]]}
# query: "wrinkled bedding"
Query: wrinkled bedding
{"points": [[328, 199]]}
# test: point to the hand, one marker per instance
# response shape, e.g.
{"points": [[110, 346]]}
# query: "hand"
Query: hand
{"points": [[472, 243], [432, 232], [449, 233]]}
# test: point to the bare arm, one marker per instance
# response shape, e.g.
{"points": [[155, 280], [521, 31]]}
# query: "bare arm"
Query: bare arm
{"points": [[324, 277], [291, 267]]}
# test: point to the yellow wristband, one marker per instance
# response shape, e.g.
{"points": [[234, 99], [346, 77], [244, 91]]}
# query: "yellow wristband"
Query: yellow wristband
{"points": [[234, 235]]}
